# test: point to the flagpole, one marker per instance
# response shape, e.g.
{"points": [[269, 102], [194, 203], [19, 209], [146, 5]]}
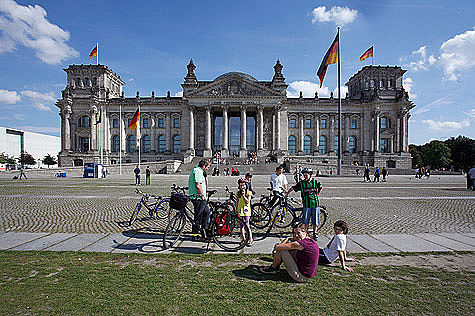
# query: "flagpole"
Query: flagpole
{"points": [[120, 139], [97, 56], [339, 106], [102, 140], [138, 135]]}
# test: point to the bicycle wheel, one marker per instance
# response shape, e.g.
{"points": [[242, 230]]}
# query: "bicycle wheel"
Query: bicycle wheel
{"points": [[260, 215], [323, 217], [163, 210], [285, 216], [231, 207], [135, 213], [173, 230], [233, 239]]}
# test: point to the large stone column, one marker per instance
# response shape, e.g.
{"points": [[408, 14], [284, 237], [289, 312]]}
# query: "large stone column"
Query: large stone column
{"points": [[93, 144], [277, 127], [260, 129], [346, 147], [301, 122], [123, 126], [331, 141], [377, 141], [317, 133], [362, 135], [243, 151], [274, 146], [66, 124], [397, 144], [207, 152], [168, 132], [225, 150], [191, 142], [405, 133]]}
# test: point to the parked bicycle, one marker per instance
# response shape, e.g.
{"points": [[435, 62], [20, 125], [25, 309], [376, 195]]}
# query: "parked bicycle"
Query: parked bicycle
{"points": [[260, 217], [226, 228], [157, 206]]}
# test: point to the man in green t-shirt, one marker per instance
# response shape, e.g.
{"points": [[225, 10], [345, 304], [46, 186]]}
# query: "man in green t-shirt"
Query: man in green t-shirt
{"points": [[197, 191], [309, 190]]}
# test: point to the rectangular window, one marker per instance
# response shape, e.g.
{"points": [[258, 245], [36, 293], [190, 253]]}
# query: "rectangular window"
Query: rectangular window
{"points": [[293, 123], [354, 123], [336, 123], [323, 123], [308, 123], [176, 122], [145, 123], [160, 122], [115, 123], [385, 145]]}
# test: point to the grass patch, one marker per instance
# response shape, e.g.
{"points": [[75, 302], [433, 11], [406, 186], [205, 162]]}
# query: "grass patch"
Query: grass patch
{"points": [[70, 283]]}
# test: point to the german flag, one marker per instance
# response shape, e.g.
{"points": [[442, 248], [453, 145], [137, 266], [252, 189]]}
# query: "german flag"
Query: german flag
{"points": [[331, 57], [93, 53], [135, 120], [368, 53]]}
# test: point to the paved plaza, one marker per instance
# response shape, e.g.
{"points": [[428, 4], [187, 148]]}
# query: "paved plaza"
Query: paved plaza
{"points": [[402, 215]]}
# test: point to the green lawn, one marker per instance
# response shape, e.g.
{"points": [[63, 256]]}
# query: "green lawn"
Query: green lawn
{"points": [[67, 283]]}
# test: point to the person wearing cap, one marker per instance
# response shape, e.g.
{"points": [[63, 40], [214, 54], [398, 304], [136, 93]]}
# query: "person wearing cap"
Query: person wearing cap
{"points": [[309, 190]]}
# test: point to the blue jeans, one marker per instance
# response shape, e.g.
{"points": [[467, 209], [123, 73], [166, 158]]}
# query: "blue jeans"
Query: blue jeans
{"points": [[311, 213], [147, 180]]}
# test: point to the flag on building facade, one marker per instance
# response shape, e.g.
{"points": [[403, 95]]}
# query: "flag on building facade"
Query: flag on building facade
{"points": [[135, 120], [93, 53], [368, 53], [331, 57]]}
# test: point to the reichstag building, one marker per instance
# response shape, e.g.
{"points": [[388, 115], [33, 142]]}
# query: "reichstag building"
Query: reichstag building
{"points": [[234, 114]]}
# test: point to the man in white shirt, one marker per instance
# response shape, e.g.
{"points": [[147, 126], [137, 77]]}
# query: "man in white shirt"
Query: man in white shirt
{"points": [[278, 183]]}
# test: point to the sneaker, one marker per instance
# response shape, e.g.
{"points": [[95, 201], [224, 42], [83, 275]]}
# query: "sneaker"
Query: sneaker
{"points": [[269, 270]]}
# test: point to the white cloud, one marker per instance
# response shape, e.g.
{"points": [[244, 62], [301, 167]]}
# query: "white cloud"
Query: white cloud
{"points": [[9, 97], [178, 94], [446, 100], [458, 54], [339, 15], [424, 62], [28, 26], [39, 99], [408, 85], [470, 114], [308, 89], [447, 125]]}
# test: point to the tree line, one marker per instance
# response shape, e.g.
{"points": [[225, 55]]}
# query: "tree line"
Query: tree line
{"points": [[26, 159], [455, 153]]}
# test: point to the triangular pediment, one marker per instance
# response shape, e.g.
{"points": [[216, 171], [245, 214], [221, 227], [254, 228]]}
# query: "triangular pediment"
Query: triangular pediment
{"points": [[234, 85]]}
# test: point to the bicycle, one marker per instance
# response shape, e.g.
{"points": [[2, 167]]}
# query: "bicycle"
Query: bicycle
{"points": [[260, 216], [159, 208], [226, 228]]}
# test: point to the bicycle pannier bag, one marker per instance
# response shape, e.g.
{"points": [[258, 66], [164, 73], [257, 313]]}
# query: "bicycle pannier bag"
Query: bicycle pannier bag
{"points": [[222, 223], [178, 201]]}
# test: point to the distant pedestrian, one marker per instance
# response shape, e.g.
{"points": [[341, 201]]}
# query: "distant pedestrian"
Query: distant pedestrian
{"points": [[384, 173], [147, 175], [366, 174], [137, 175], [376, 175], [471, 172], [22, 173]]}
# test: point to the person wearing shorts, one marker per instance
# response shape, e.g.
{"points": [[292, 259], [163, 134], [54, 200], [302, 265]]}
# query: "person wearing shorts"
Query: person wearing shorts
{"points": [[299, 253], [309, 190], [244, 207]]}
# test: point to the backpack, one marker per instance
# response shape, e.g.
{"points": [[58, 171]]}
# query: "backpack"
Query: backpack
{"points": [[222, 223]]}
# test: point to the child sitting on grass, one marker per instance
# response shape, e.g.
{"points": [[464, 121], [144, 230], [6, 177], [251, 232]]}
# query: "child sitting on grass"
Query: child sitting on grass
{"points": [[244, 207], [336, 248]]}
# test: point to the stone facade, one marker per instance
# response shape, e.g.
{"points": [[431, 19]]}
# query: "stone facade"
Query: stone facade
{"points": [[375, 115]]}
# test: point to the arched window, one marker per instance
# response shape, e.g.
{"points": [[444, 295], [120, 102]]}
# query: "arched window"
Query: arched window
{"points": [[322, 144], [307, 144], [176, 144], [115, 144], [292, 144], [83, 121], [352, 144], [86, 82], [130, 144], [78, 82], [94, 81], [335, 145], [161, 144], [146, 144], [384, 122]]}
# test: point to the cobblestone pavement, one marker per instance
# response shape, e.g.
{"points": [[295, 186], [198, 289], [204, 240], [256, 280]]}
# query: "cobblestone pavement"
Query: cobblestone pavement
{"points": [[75, 205]]}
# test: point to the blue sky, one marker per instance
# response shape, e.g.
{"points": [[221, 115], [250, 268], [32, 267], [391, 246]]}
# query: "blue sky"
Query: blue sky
{"points": [[149, 43]]}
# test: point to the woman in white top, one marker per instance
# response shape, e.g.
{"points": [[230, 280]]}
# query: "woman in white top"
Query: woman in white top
{"points": [[336, 248]]}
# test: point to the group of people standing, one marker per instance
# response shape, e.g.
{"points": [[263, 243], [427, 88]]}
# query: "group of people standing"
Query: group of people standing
{"points": [[377, 174], [137, 175]]}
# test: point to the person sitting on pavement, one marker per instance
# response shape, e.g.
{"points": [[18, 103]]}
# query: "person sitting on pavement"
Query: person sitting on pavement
{"points": [[299, 254], [336, 248], [243, 207], [309, 190], [278, 183]]}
